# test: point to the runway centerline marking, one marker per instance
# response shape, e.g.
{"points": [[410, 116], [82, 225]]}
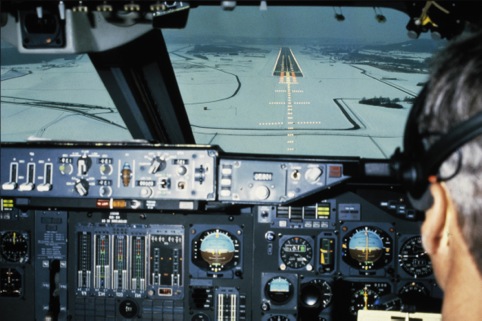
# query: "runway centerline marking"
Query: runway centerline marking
{"points": [[289, 74]]}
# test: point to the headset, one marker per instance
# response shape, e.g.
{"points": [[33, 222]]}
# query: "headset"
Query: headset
{"points": [[417, 162]]}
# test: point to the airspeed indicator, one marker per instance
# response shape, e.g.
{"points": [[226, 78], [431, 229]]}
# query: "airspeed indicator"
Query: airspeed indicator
{"points": [[296, 252]]}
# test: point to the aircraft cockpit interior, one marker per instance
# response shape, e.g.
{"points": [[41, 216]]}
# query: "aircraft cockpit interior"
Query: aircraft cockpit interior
{"points": [[215, 160]]}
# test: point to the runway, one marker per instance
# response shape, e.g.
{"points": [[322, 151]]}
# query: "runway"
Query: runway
{"points": [[295, 99], [286, 66], [301, 114]]}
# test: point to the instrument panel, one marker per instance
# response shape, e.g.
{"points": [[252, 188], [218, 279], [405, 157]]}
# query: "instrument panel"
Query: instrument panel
{"points": [[197, 234]]}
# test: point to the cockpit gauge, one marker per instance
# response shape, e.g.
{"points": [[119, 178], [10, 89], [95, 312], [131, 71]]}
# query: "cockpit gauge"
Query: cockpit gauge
{"points": [[296, 253], [413, 293], [413, 259], [216, 250], [413, 289], [279, 290], [10, 283], [367, 248], [365, 296], [421, 296], [14, 246], [363, 299], [316, 294]]}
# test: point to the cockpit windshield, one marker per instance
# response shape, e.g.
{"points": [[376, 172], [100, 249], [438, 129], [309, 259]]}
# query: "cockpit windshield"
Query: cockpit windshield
{"points": [[324, 81], [55, 97], [299, 80]]}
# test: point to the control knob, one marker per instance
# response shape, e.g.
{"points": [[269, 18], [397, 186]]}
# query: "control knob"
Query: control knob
{"points": [[82, 187], [158, 164], [106, 169], [262, 192], [66, 169], [83, 165], [313, 174], [105, 191]]}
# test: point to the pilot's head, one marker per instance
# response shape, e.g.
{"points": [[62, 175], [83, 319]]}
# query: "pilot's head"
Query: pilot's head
{"points": [[453, 225]]}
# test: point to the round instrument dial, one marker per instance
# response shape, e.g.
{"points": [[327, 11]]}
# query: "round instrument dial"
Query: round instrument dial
{"points": [[365, 296], [367, 248], [10, 283], [296, 252], [413, 259], [279, 290], [363, 299], [316, 294], [413, 293], [216, 250], [414, 288], [14, 246]]}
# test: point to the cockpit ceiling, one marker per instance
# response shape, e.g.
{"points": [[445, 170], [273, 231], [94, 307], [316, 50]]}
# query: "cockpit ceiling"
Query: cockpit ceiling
{"points": [[88, 26]]}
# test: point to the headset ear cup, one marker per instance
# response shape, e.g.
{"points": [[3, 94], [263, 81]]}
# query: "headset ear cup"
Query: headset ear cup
{"points": [[418, 188], [422, 203]]}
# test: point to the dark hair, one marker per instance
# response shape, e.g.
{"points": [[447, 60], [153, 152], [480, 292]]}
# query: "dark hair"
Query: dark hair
{"points": [[454, 93]]}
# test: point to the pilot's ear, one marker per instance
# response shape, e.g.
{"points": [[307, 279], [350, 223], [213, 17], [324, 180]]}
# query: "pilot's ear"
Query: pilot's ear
{"points": [[436, 219]]}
